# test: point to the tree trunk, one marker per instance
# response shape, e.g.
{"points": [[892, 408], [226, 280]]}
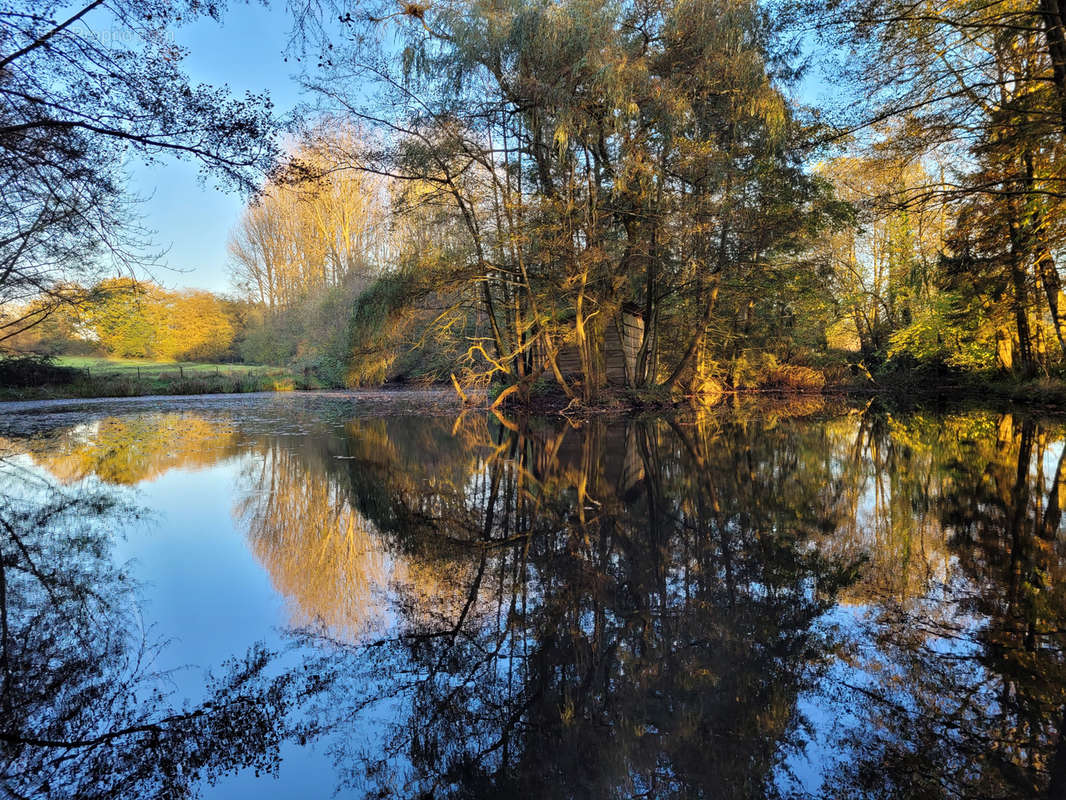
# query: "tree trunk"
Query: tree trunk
{"points": [[1055, 35], [1020, 301], [1049, 276], [694, 344]]}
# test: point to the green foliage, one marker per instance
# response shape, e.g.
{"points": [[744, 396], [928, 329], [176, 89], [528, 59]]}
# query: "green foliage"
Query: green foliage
{"points": [[29, 377], [945, 331], [121, 318], [380, 319], [137, 319], [309, 338], [561, 168], [563, 162]]}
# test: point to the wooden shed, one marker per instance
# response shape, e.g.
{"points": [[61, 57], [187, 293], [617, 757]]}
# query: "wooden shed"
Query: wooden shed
{"points": [[624, 335]]}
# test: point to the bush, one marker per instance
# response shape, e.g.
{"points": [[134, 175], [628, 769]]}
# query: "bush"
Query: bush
{"points": [[792, 378], [311, 338], [31, 370]]}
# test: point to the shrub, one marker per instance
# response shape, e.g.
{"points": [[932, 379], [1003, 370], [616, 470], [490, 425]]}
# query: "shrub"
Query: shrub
{"points": [[792, 378], [31, 370]]}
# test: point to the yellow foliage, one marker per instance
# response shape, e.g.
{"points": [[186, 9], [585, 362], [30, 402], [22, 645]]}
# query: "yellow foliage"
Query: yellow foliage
{"points": [[139, 319], [322, 555], [128, 450]]}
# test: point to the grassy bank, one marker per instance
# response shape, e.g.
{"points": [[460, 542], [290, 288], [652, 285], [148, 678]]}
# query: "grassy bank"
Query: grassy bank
{"points": [[94, 366], [76, 376], [98, 377]]}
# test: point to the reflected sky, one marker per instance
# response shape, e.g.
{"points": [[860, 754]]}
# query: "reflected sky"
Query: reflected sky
{"points": [[312, 596]]}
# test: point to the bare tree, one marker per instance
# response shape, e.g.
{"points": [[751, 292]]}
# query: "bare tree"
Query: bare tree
{"points": [[319, 223]]}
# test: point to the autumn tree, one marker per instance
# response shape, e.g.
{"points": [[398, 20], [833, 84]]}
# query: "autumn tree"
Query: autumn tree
{"points": [[977, 88], [882, 266], [123, 318], [593, 156], [138, 319], [317, 225], [55, 329]]}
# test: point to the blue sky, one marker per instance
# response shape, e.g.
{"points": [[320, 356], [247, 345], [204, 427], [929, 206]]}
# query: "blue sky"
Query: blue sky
{"points": [[193, 220]]}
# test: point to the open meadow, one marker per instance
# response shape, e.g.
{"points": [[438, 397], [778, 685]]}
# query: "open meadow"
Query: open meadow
{"points": [[148, 368], [87, 376]]}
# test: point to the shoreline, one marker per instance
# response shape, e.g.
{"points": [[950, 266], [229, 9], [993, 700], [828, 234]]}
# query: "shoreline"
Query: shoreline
{"points": [[376, 394], [1046, 396]]}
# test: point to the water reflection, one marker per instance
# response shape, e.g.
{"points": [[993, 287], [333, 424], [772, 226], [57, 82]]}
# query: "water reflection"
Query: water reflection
{"points": [[966, 684], [638, 617], [321, 553], [130, 449], [85, 713], [758, 602]]}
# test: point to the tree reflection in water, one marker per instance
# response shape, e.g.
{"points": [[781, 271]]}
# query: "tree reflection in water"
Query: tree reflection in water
{"points": [[650, 607], [84, 713], [966, 686], [638, 615]]}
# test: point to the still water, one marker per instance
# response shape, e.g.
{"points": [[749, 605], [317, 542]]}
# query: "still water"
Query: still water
{"points": [[348, 595]]}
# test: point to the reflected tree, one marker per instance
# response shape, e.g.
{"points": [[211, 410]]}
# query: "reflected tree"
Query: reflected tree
{"points": [[967, 679], [85, 713], [638, 614], [321, 554], [748, 602]]}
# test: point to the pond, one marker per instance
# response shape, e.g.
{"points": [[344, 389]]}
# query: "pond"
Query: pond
{"points": [[377, 596]]}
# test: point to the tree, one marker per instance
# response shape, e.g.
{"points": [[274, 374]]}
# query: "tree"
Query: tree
{"points": [[54, 329], [882, 266], [124, 317], [84, 712], [197, 327], [318, 224], [83, 88], [592, 156], [138, 319], [978, 86]]}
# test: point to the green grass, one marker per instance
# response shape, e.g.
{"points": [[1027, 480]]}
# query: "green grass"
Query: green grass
{"points": [[110, 377], [146, 368]]}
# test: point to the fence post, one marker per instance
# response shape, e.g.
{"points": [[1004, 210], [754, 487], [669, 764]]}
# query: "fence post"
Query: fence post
{"points": [[88, 374], [181, 371], [138, 373]]}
